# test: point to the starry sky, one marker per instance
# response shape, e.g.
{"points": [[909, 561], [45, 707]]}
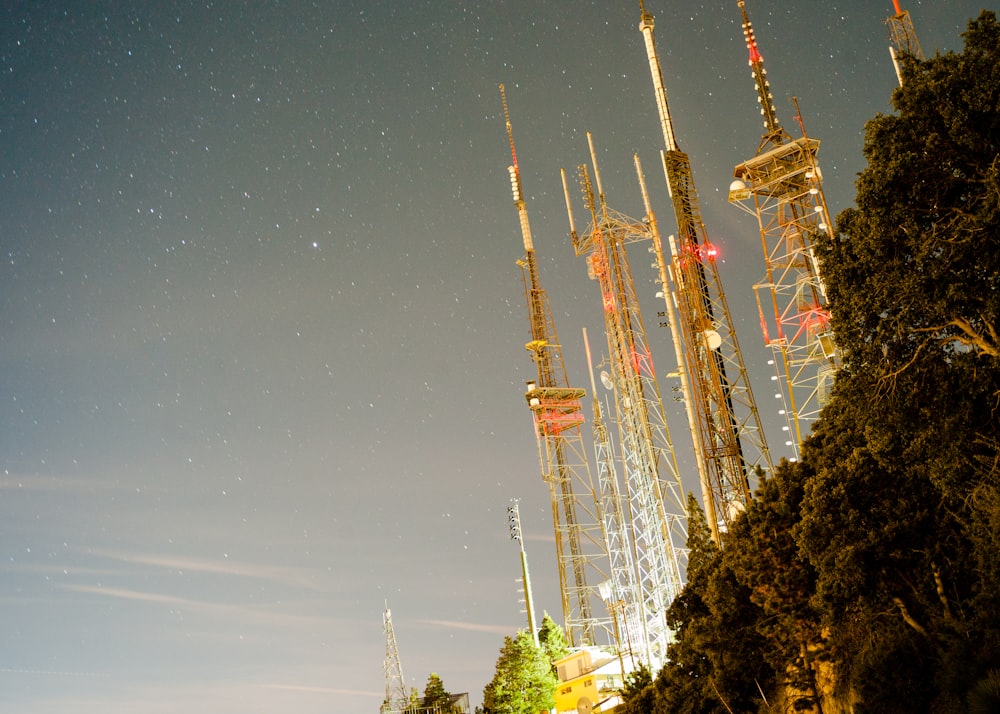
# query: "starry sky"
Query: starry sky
{"points": [[263, 363]]}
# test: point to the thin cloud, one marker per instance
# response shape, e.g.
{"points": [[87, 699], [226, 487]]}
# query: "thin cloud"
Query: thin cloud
{"points": [[158, 598], [59, 483], [323, 690], [470, 626], [290, 576], [232, 610]]}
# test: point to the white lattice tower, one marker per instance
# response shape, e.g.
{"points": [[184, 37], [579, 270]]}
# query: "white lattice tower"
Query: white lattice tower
{"points": [[657, 523], [620, 591], [396, 697]]}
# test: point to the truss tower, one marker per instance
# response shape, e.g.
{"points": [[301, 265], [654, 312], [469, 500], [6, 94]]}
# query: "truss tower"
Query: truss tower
{"points": [[782, 187], [557, 412], [620, 591], [654, 495], [728, 439], [396, 697], [902, 38]]}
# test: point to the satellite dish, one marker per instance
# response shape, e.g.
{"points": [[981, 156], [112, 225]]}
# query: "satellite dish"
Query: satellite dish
{"points": [[606, 380], [583, 706], [714, 339]]}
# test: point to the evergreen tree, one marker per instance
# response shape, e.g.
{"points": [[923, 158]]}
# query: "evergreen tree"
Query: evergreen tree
{"points": [[685, 681], [917, 266], [765, 558], [436, 699], [716, 663], [552, 639], [413, 705], [524, 682], [899, 517]]}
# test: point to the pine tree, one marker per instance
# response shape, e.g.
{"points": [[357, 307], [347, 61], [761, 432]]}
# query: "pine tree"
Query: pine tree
{"points": [[552, 639], [436, 699], [524, 682]]}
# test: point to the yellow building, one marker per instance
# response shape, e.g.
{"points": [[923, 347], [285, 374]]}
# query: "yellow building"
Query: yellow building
{"points": [[590, 681]]}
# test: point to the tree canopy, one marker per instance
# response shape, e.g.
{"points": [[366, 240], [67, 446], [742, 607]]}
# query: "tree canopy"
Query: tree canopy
{"points": [[552, 639], [524, 682], [436, 699]]}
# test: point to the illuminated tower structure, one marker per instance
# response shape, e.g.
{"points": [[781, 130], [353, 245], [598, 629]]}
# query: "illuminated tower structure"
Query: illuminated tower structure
{"points": [[620, 591], [782, 187], [396, 697], [654, 495], [557, 410], [729, 441], [902, 38]]}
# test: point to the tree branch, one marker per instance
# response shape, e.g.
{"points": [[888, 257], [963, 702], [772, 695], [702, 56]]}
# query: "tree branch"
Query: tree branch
{"points": [[908, 618], [990, 344], [939, 586]]}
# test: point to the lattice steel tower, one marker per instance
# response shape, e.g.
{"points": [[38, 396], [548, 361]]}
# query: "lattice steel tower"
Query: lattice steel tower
{"points": [[396, 697], [728, 439], [620, 591], [902, 38], [557, 410], [657, 523], [782, 186]]}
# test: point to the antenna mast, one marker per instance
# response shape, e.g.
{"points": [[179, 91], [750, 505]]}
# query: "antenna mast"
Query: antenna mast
{"points": [[728, 436], [782, 186], [557, 410], [902, 38], [657, 525]]}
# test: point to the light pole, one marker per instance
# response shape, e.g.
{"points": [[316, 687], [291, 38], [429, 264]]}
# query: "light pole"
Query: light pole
{"points": [[514, 523]]}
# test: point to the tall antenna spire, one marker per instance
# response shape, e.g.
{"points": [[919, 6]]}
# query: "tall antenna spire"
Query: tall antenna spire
{"points": [[729, 433], [773, 132], [515, 185], [557, 412], [659, 91]]}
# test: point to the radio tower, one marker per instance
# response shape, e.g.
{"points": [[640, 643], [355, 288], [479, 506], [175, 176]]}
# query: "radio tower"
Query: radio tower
{"points": [[621, 590], [902, 38], [654, 493], [396, 697], [782, 187], [558, 415], [728, 439]]}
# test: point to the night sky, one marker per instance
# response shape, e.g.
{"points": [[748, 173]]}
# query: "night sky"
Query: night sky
{"points": [[263, 362]]}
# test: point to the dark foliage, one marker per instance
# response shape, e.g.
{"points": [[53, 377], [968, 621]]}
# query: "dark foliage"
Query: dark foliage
{"points": [[866, 578]]}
